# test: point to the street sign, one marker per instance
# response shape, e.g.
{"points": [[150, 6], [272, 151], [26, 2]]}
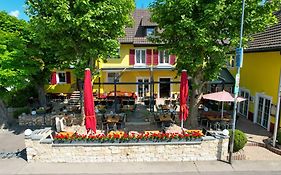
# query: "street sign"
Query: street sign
{"points": [[239, 57], [237, 81]]}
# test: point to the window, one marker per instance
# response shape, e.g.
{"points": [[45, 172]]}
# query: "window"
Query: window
{"points": [[231, 61], [149, 31], [163, 57], [140, 56], [61, 77], [111, 76]]}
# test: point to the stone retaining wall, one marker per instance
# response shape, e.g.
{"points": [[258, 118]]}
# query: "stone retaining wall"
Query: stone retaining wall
{"points": [[47, 120], [211, 149]]}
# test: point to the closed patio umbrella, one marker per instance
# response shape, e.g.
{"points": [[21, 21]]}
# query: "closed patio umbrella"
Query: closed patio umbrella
{"points": [[183, 97], [89, 103], [222, 96], [54, 78]]}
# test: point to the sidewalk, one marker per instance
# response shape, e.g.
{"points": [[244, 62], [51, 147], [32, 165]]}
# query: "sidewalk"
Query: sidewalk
{"points": [[19, 166]]}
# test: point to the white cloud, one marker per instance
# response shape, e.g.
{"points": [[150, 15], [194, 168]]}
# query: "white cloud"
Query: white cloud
{"points": [[15, 13]]}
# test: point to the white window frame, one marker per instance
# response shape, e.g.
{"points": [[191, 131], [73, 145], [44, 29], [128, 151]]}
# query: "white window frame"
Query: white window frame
{"points": [[248, 101], [169, 59], [58, 79], [137, 86], [140, 64], [256, 108], [107, 80]]}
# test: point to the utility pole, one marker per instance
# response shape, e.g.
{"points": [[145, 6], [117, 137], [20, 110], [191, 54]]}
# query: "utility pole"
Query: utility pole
{"points": [[276, 125], [239, 62]]}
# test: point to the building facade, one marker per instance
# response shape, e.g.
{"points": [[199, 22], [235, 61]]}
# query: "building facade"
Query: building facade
{"points": [[140, 67], [259, 78]]}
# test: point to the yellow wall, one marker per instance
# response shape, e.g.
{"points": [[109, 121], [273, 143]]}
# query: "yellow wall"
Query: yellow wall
{"points": [[63, 88], [123, 61], [128, 76], [260, 74], [131, 76]]}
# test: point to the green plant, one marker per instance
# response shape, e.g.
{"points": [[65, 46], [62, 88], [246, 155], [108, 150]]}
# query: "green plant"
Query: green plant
{"points": [[279, 136], [19, 111], [240, 140]]}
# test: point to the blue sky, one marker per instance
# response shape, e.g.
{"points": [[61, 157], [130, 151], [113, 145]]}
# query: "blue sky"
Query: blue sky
{"points": [[16, 7]]}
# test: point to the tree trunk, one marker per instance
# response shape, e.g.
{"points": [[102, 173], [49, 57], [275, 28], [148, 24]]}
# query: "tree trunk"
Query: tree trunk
{"points": [[3, 115], [80, 86], [195, 97], [41, 95]]}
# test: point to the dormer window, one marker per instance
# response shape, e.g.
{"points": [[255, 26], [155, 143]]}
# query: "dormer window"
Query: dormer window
{"points": [[149, 31]]}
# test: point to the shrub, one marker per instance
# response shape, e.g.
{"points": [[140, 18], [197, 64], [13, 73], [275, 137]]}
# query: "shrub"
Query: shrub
{"points": [[19, 111], [279, 136], [240, 140]]}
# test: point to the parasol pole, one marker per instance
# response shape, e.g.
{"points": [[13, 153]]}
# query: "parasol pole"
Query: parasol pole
{"points": [[182, 123], [222, 110]]}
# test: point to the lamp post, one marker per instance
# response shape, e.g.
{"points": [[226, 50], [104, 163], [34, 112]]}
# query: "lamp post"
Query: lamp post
{"points": [[239, 61]]}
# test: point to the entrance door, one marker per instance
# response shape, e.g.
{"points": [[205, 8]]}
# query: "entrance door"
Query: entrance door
{"points": [[142, 87], [244, 105], [164, 87], [263, 111]]}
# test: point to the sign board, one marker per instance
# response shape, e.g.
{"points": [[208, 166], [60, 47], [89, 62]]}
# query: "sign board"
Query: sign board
{"points": [[237, 80], [239, 57]]}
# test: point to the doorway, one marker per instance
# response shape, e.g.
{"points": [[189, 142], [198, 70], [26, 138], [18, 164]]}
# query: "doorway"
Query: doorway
{"points": [[262, 110], [164, 87]]}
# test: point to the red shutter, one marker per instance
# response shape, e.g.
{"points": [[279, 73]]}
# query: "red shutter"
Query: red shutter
{"points": [[68, 78], [54, 78], [172, 59], [148, 56], [155, 57], [132, 57]]}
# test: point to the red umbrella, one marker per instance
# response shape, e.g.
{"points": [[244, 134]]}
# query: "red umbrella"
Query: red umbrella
{"points": [[54, 78], [89, 102], [183, 97]]}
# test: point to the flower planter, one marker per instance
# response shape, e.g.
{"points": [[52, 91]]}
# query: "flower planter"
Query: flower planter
{"points": [[123, 138]]}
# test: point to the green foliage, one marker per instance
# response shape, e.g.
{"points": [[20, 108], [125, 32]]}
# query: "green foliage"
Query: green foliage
{"points": [[16, 64], [240, 140], [279, 136], [20, 98], [202, 32], [19, 111], [81, 30]]}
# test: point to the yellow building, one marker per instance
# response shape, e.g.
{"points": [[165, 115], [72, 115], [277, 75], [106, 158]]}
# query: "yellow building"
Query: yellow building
{"points": [[139, 68], [259, 80]]}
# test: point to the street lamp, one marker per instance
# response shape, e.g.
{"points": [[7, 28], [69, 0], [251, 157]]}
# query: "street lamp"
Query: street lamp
{"points": [[239, 61]]}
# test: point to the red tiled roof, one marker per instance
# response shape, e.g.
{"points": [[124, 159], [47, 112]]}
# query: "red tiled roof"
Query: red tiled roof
{"points": [[136, 33], [270, 39]]}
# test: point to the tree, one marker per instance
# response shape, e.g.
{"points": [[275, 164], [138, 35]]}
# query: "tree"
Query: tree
{"points": [[16, 64], [78, 32], [202, 32], [81, 31]]}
